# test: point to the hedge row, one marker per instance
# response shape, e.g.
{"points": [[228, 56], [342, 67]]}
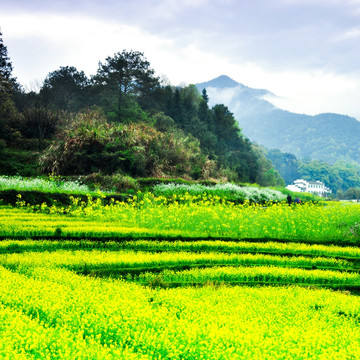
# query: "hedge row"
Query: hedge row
{"points": [[38, 197]]}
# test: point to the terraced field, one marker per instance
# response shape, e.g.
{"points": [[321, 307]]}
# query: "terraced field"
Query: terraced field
{"points": [[160, 279]]}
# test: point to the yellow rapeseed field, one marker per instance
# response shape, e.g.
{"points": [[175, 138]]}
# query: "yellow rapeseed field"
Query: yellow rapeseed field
{"points": [[182, 277], [186, 216]]}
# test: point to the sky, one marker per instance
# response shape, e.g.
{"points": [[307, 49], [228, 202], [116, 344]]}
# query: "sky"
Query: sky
{"points": [[306, 52]]}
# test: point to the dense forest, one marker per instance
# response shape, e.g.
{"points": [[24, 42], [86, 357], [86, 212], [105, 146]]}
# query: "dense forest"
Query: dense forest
{"points": [[122, 120], [343, 178]]}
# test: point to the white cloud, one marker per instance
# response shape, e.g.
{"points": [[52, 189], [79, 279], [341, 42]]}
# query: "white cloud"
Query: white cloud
{"points": [[39, 43], [301, 92], [83, 42], [165, 10], [77, 41], [348, 35], [316, 93]]}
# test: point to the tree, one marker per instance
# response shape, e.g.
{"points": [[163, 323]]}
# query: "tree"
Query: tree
{"points": [[205, 96], [8, 112], [5, 64], [175, 108], [219, 135], [233, 150], [226, 125], [267, 175], [123, 78], [287, 164], [66, 89], [352, 194], [41, 122]]}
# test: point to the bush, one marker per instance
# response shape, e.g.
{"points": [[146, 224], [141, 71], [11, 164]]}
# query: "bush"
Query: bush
{"points": [[115, 182], [90, 145], [18, 162]]}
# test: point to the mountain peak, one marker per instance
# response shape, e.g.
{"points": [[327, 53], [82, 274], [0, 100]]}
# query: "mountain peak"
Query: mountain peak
{"points": [[221, 82]]}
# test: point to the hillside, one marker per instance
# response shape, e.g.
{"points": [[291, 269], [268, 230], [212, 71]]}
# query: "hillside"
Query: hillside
{"points": [[123, 123], [327, 137]]}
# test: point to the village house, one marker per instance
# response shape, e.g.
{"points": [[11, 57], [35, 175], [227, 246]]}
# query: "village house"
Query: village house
{"points": [[313, 187]]}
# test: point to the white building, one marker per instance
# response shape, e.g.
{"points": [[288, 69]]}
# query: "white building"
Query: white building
{"points": [[313, 187]]}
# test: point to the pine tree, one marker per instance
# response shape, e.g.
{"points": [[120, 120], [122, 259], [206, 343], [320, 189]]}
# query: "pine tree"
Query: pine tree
{"points": [[8, 111], [5, 64], [66, 89], [6, 82], [126, 79]]}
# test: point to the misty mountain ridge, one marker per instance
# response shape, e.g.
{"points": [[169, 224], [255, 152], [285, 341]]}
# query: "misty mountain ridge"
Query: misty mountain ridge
{"points": [[224, 82], [328, 136]]}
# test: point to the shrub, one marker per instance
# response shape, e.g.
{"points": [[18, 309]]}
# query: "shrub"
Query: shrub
{"points": [[90, 145]]}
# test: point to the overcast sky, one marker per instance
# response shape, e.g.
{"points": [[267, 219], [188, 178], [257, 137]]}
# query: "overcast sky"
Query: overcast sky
{"points": [[307, 52]]}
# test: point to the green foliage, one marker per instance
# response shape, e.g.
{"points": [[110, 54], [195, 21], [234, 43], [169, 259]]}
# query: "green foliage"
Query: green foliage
{"points": [[219, 136], [77, 149], [91, 145], [119, 183], [8, 114], [267, 175], [123, 77], [287, 164], [18, 161], [349, 194], [40, 122], [339, 176], [5, 63], [164, 132], [66, 89]]}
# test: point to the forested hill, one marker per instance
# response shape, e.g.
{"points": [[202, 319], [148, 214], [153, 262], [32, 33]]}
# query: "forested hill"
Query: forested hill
{"points": [[327, 137], [121, 121]]}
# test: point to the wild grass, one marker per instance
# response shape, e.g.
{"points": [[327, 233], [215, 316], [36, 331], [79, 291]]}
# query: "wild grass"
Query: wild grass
{"points": [[198, 246], [131, 260], [258, 274], [52, 184]]}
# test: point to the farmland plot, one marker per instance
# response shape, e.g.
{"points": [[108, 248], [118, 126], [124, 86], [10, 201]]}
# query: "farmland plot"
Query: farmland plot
{"points": [[164, 279]]}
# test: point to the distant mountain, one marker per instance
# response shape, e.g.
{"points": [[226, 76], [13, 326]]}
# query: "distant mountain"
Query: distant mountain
{"points": [[327, 137], [220, 82]]}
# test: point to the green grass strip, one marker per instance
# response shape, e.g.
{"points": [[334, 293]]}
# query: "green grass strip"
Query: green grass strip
{"points": [[270, 248], [123, 260], [133, 272], [159, 283], [264, 274]]}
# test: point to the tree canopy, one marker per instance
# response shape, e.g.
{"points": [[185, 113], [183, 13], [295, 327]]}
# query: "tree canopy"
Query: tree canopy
{"points": [[124, 80], [339, 176], [5, 64], [123, 120]]}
